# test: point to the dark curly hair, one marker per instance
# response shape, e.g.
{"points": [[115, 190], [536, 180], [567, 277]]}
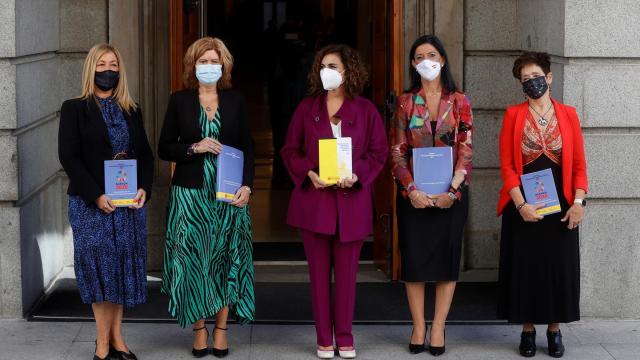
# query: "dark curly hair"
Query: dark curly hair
{"points": [[541, 59], [355, 75]]}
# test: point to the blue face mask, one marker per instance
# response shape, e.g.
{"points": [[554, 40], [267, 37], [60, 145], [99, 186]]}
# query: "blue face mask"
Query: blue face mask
{"points": [[208, 74]]}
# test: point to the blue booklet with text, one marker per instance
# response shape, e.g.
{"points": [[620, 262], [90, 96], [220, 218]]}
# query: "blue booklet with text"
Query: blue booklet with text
{"points": [[121, 181], [539, 188], [230, 169], [433, 169]]}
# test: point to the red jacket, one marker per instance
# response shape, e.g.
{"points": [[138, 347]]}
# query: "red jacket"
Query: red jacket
{"points": [[574, 166], [350, 211]]}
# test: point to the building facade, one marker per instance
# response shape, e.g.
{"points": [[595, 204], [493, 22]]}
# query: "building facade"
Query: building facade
{"points": [[595, 51]]}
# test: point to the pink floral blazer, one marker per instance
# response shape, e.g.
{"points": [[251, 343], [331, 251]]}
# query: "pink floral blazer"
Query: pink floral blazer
{"points": [[412, 128]]}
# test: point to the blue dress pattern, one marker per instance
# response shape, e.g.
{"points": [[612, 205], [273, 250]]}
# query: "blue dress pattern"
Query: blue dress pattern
{"points": [[110, 250]]}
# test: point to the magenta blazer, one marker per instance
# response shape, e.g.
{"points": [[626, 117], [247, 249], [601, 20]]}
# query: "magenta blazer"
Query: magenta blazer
{"points": [[349, 211]]}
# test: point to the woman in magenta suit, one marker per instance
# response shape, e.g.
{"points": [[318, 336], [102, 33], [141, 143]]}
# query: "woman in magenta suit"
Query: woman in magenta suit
{"points": [[334, 219]]}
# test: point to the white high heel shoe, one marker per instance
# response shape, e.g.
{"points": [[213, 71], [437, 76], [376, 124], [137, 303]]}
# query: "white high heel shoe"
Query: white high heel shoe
{"points": [[326, 354], [347, 354]]}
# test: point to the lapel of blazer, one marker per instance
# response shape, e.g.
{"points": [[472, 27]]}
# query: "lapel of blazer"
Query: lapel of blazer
{"points": [[192, 114], [445, 107], [565, 132], [225, 110], [321, 117], [130, 119], [521, 115], [348, 115], [95, 117]]}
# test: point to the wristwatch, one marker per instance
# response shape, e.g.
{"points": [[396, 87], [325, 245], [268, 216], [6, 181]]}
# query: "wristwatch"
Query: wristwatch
{"points": [[582, 202], [452, 196]]}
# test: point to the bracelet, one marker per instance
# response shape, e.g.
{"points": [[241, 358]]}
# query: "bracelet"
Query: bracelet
{"points": [[191, 149], [521, 206]]}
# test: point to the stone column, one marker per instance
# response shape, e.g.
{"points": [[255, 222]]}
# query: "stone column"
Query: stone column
{"points": [[490, 45], [601, 73]]}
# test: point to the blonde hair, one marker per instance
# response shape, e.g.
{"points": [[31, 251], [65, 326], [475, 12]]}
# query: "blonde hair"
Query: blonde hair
{"points": [[196, 50], [121, 92]]}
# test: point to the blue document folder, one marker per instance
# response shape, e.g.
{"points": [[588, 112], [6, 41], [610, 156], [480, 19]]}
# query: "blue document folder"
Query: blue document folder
{"points": [[230, 168], [433, 169], [539, 188], [121, 181]]}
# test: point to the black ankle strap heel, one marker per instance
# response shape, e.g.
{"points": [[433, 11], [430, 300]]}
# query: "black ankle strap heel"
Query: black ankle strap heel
{"points": [[199, 353], [220, 353]]}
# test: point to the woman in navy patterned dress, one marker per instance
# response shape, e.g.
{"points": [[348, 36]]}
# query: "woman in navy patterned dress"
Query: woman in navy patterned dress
{"points": [[109, 242]]}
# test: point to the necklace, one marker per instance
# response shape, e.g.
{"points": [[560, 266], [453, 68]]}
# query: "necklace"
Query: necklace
{"points": [[209, 108], [436, 93], [541, 118]]}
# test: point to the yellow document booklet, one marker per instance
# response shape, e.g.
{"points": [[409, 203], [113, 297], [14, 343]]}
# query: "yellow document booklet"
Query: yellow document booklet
{"points": [[335, 159]]}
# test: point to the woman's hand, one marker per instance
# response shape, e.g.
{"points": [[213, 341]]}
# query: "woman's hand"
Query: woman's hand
{"points": [[419, 199], [207, 145], [140, 199], [348, 183], [529, 214], [575, 214], [458, 178], [315, 179], [442, 201], [104, 203], [242, 197]]}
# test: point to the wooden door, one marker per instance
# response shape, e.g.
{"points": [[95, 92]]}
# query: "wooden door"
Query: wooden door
{"points": [[184, 29], [387, 75]]}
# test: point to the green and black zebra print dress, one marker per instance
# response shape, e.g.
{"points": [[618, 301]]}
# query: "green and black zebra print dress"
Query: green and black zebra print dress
{"points": [[208, 260]]}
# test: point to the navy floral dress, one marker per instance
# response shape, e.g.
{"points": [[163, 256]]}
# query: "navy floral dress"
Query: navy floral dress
{"points": [[110, 250]]}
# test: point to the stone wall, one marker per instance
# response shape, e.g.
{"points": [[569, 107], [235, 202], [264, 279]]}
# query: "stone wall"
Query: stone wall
{"points": [[43, 44], [42, 47], [595, 66], [601, 75]]}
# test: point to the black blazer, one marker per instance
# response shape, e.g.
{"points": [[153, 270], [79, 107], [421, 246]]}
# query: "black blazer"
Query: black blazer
{"points": [[181, 128], [84, 145]]}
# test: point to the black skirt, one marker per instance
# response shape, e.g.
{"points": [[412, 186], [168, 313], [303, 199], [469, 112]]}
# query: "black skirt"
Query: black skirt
{"points": [[430, 240], [539, 277]]}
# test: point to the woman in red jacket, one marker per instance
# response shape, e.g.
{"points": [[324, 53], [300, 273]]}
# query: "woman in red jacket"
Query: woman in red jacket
{"points": [[539, 254]]}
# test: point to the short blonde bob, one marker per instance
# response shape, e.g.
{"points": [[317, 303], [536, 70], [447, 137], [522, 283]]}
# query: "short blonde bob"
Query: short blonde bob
{"points": [[121, 92], [196, 50]]}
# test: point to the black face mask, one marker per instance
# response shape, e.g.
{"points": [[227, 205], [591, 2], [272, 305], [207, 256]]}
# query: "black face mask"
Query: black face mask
{"points": [[107, 80], [536, 87]]}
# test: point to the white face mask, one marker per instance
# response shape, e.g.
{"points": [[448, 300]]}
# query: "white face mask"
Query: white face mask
{"points": [[208, 73], [331, 79], [428, 69]]}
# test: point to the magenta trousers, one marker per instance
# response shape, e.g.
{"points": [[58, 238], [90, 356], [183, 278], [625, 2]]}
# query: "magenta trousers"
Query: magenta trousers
{"points": [[332, 315]]}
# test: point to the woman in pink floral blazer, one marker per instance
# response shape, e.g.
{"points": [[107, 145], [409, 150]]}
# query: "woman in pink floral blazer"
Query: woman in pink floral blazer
{"points": [[432, 113]]}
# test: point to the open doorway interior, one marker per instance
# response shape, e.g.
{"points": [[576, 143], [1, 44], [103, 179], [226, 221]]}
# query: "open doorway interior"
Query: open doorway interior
{"points": [[273, 44]]}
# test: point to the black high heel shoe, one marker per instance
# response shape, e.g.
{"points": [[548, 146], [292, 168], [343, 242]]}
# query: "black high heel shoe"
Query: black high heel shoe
{"points": [[96, 357], [201, 352], [416, 348], [528, 343], [220, 353], [554, 340], [437, 350], [121, 355]]}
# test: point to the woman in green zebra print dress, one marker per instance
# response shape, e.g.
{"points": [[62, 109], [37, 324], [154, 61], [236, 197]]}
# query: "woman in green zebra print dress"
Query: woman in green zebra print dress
{"points": [[208, 266]]}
